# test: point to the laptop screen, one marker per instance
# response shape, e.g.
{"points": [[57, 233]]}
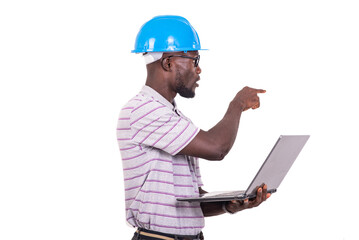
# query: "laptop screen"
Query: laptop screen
{"points": [[278, 162]]}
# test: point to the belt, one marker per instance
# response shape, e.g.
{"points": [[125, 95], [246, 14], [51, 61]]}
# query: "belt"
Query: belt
{"points": [[165, 236]]}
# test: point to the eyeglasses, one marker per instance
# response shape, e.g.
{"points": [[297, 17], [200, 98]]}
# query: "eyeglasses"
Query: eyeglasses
{"points": [[195, 59]]}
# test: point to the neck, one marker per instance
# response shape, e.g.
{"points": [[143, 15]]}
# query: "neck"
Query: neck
{"points": [[161, 84], [163, 90]]}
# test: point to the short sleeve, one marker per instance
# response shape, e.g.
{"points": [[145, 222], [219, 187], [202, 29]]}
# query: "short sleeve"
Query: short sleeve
{"points": [[154, 124]]}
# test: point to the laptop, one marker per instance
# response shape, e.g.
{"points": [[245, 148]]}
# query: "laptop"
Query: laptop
{"points": [[272, 171]]}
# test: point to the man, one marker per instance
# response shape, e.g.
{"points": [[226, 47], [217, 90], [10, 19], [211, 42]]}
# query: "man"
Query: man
{"points": [[160, 146]]}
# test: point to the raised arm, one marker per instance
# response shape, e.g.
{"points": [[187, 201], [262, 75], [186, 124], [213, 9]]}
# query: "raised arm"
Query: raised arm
{"points": [[215, 143]]}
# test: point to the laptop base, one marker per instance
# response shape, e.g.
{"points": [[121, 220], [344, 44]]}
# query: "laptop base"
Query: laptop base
{"points": [[222, 196]]}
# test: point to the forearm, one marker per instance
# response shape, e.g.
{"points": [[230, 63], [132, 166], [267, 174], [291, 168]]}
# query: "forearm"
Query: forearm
{"points": [[224, 133], [216, 208], [215, 143], [210, 209]]}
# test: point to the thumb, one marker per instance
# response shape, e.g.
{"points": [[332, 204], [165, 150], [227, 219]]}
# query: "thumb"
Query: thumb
{"points": [[245, 203]]}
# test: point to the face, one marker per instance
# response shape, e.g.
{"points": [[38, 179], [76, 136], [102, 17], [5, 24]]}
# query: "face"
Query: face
{"points": [[187, 75]]}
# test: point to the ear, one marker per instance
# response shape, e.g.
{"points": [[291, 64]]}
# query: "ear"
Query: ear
{"points": [[166, 64]]}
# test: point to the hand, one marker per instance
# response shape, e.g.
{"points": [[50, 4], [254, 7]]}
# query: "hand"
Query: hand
{"points": [[239, 205], [248, 98]]}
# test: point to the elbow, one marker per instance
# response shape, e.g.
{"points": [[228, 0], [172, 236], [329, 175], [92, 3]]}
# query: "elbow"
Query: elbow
{"points": [[218, 158], [220, 153], [208, 146]]}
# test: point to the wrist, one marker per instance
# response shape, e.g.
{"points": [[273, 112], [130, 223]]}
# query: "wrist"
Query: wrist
{"points": [[237, 105], [224, 207]]}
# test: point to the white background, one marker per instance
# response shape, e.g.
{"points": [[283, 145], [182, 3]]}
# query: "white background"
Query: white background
{"points": [[66, 70]]}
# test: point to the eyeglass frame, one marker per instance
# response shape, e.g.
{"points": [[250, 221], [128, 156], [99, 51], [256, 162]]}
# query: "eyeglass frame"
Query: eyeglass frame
{"points": [[196, 59]]}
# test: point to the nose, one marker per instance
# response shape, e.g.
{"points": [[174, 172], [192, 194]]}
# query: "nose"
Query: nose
{"points": [[198, 69]]}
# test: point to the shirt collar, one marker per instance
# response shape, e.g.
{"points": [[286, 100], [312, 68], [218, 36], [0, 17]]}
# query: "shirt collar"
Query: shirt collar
{"points": [[153, 93]]}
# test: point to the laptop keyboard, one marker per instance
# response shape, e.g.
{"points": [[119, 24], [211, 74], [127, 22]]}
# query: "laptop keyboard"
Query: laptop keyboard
{"points": [[224, 194]]}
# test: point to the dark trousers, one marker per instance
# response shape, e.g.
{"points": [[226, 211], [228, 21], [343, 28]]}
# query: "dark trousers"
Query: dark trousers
{"points": [[153, 235]]}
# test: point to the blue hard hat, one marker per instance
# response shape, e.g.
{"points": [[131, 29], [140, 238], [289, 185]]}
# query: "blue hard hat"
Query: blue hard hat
{"points": [[167, 34]]}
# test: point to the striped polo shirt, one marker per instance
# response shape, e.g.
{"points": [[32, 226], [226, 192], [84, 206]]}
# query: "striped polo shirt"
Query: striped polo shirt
{"points": [[150, 133]]}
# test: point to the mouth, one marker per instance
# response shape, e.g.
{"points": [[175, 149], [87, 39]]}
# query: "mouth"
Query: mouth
{"points": [[196, 83]]}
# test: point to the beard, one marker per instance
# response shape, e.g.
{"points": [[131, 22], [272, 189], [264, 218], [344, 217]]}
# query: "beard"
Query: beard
{"points": [[181, 89]]}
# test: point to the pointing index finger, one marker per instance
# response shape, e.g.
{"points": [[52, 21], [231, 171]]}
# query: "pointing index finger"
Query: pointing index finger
{"points": [[260, 90]]}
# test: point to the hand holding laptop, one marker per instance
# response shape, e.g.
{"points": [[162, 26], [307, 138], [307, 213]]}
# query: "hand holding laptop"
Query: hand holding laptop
{"points": [[239, 205]]}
